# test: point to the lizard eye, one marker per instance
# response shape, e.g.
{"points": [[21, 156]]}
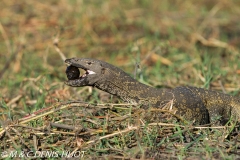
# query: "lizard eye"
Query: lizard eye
{"points": [[89, 63]]}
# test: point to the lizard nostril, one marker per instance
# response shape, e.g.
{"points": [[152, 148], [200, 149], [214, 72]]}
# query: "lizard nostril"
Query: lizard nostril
{"points": [[103, 70]]}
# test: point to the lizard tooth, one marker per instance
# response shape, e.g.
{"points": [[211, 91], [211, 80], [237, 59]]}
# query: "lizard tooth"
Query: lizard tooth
{"points": [[90, 72]]}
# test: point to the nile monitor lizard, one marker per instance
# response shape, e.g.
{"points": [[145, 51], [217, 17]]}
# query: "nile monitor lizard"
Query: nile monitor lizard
{"points": [[191, 103]]}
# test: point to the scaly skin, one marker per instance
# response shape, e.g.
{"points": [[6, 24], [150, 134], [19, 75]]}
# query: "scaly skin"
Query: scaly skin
{"points": [[191, 103]]}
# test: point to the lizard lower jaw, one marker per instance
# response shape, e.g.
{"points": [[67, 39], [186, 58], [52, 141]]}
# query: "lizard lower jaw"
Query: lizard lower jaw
{"points": [[80, 81]]}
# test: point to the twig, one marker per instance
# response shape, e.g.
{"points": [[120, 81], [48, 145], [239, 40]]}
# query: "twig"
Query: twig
{"points": [[19, 135], [66, 105], [7, 64], [32, 128], [114, 134], [167, 111], [10, 137], [222, 87], [55, 43], [62, 106], [107, 136], [35, 143], [137, 66], [63, 126], [14, 100], [5, 37]]}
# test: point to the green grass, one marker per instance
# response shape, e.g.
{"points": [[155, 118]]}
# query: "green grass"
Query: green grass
{"points": [[175, 43]]}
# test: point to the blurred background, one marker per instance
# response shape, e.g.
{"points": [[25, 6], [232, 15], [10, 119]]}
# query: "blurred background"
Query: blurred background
{"points": [[171, 42]]}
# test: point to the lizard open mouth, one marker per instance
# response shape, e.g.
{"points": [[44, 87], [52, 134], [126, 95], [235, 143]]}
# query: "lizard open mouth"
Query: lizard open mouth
{"points": [[73, 73]]}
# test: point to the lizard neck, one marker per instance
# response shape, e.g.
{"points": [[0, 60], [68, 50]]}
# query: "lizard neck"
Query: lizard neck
{"points": [[132, 91]]}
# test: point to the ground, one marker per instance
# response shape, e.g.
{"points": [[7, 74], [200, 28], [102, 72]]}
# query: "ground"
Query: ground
{"points": [[161, 43]]}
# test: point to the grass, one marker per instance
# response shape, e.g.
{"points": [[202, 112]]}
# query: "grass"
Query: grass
{"points": [[175, 43]]}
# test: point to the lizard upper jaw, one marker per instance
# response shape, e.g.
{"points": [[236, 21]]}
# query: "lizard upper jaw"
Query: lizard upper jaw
{"points": [[77, 74]]}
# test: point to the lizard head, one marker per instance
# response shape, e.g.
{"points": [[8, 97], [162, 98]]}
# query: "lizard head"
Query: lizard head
{"points": [[93, 71]]}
